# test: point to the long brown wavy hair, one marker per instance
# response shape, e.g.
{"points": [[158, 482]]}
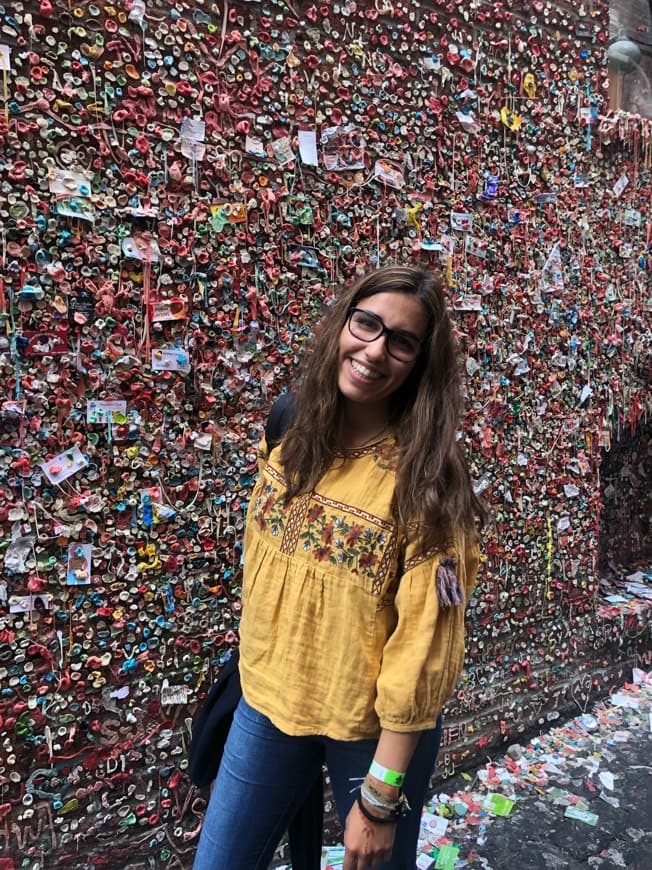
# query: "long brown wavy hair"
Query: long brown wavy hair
{"points": [[433, 486]]}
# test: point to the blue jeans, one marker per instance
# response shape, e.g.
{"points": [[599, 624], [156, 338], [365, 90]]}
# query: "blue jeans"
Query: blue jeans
{"points": [[265, 775]]}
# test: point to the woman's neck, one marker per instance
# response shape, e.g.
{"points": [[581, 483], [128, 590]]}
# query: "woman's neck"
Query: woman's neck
{"points": [[361, 425]]}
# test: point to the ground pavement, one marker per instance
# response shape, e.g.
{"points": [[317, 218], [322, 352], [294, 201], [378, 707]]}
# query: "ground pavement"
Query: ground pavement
{"points": [[575, 797]]}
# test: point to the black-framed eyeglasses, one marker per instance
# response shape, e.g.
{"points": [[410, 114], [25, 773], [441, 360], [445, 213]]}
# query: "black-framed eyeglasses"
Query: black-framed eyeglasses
{"points": [[367, 326]]}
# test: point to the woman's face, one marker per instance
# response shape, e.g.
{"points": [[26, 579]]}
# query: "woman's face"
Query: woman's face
{"points": [[368, 374]]}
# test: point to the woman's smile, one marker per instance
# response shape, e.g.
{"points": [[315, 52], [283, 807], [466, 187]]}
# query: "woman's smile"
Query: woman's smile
{"points": [[368, 373], [364, 372]]}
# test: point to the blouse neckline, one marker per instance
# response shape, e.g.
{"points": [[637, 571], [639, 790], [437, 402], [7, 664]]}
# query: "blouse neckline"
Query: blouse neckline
{"points": [[354, 452]]}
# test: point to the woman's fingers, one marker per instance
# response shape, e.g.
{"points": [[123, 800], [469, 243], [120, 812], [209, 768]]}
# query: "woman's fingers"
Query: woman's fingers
{"points": [[368, 846]]}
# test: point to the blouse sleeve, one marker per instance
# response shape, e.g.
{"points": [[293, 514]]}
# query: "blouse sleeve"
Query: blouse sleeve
{"points": [[424, 654], [262, 454]]}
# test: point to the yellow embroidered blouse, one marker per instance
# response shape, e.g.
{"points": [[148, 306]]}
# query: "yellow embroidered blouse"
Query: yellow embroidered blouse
{"points": [[342, 632]]}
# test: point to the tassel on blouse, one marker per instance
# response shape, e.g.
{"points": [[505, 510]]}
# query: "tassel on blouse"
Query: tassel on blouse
{"points": [[448, 586]]}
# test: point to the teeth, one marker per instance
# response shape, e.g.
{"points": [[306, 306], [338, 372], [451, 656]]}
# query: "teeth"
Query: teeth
{"points": [[365, 372]]}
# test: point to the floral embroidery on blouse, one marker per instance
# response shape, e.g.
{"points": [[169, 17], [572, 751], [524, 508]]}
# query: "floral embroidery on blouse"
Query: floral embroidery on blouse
{"points": [[341, 540], [268, 510], [331, 531], [385, 456]]}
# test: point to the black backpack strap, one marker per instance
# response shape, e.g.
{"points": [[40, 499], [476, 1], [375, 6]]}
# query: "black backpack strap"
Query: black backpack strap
{"points": [[280, 419]]}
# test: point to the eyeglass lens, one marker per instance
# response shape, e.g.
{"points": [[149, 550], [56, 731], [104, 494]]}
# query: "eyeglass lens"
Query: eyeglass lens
{"points": [[368, 327]]}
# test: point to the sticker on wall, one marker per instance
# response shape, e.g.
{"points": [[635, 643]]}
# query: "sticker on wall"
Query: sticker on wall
{"points": [[54, 342], [282, 150], [388, 174], [227, 213], [75, 207], [168, 309], [468, 122], [193, 130], [142, 247], [620, 185], [255, 147], [631, 217], [475, 247], [141, 210], [78, 571], [448, 243], [104, 412], [461, 221], [29, 603], [491, 185], [552, 274], [18, 551], [192, 136], [432, 63], [433, 247], [173, 694], [510, 119], [152, 507], [5, 58], [308, 147], [530, 85], [81, 309], [343, 148], [468, 302], [64, 465], [170, 359]]}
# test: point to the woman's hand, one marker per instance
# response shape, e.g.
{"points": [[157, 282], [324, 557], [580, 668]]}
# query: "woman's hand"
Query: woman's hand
{"points": [[367, 845]]}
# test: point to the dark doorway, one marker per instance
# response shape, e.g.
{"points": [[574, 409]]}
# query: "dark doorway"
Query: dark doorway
{"points": [[626, 496]]}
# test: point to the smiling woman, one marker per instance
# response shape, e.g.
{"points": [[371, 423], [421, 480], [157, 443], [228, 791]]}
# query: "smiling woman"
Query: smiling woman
{"points": [[361, 551], [352, 383], [375, 360]]}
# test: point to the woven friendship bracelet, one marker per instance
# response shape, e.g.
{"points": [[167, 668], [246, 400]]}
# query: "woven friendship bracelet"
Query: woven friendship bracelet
{"points": [[376, 800], [386, 820]]}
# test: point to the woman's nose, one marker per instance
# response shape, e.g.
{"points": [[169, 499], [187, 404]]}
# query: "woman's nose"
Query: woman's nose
{"points": [[377, 348]]}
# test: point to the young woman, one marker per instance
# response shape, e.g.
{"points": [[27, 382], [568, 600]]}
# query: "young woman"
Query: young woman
{"points": [[360, 551]]}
